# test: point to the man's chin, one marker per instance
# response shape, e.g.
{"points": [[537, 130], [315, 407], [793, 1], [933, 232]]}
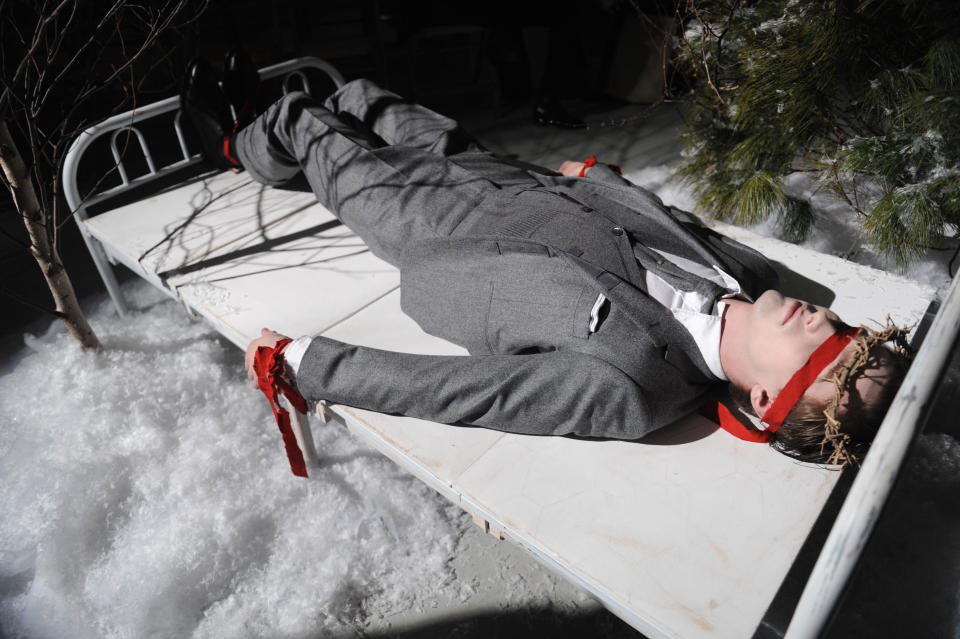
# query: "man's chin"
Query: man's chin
{"points": [[769, 301]]}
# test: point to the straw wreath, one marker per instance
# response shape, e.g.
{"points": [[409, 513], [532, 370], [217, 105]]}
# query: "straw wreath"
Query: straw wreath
{"points": [[844, 377]]}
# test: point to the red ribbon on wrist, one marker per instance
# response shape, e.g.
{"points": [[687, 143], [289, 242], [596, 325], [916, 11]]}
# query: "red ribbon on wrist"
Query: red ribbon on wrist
{"points": [[268, 364], [592, 161]]}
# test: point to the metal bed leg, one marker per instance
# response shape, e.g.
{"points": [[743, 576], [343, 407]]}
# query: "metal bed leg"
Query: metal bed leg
{"points": [[106, 272]]}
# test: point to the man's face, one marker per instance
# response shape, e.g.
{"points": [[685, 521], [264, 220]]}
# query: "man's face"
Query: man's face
{"points": [[763, 344]]}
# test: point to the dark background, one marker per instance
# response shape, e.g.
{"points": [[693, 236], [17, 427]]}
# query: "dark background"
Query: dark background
{"points": [[483, 61]]}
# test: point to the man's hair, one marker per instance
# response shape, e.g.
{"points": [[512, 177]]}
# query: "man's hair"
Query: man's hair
{"points": [[804, 433]]}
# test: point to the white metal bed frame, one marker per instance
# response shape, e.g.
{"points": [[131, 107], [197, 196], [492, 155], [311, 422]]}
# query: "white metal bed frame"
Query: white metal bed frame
{"points": [[102, 256], [869, 492]]}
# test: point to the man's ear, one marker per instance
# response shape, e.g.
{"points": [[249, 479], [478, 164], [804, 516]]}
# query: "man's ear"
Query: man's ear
{"points": [[760, 399]]}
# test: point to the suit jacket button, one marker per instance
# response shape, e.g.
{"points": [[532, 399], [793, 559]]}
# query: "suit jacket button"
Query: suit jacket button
{"points": [[587, 209], [618, 230]]}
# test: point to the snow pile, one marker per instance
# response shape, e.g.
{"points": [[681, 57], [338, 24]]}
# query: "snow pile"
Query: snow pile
{"points": [[145, 493]]}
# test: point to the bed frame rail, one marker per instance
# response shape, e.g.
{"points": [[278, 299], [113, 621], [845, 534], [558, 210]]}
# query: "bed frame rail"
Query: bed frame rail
{"points": [[80, 205], [864, 503]]}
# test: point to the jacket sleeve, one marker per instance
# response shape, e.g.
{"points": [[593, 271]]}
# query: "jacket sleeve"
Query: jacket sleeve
{"points": [[603, 173], [556, 393]]}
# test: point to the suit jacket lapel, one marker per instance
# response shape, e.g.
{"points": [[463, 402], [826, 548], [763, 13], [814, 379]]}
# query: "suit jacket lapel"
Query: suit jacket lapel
{"points": [[643, 215], [650, 317], [674, 275]]}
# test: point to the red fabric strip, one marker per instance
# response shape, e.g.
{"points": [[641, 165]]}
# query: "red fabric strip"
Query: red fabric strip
{"points": [[268, 365], [720, 414], [807, 375], [226, 151], [788, 397], [590, 161]]}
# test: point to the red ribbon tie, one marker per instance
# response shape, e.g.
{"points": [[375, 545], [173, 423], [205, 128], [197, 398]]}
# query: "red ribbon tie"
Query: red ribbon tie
{"points": [[268, 364]]}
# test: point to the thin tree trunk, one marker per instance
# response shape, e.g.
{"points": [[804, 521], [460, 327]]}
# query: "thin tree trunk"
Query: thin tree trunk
{"points": [[27, 203]]}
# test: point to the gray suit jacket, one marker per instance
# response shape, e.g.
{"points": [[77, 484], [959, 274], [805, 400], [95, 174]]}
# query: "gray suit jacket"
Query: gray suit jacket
{"points": [[515, 285]]}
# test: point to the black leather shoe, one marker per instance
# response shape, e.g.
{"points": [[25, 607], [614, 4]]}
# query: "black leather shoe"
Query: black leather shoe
{"points": [[205, 111], [241, 85]]}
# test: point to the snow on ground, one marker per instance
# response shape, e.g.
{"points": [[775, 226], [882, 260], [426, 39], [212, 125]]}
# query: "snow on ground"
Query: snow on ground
{"points": [[145, 493]]}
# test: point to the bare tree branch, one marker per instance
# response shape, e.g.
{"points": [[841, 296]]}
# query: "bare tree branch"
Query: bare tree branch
{"points": [[38, 36], [68, 58], [79, 53]]}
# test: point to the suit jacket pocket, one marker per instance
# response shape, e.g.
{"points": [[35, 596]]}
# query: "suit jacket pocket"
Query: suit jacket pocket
{"points": [[540, 305], [445, 287], [495, 295]]}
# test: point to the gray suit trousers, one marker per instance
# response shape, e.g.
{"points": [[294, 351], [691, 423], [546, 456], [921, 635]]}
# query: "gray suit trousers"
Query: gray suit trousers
{"points": [[393, 171]]}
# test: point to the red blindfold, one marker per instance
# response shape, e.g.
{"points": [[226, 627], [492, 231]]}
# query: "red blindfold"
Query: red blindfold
{"points": [[789, 396]]}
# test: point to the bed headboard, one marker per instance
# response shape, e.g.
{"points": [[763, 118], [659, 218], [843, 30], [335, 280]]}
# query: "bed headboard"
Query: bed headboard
{"points": [[134, 122], [130, 121]]}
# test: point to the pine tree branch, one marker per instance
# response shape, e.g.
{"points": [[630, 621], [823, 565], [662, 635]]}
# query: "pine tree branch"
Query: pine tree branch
{"points": [[700, 60], [733, 10], [703, 56], [841, 190]]}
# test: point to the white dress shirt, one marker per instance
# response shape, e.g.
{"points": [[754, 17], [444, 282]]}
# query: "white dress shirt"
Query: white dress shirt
{"points": [[698, 314]]}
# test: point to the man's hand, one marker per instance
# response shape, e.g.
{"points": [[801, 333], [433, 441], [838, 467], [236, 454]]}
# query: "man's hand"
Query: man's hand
{"points": [[267, 338], [572, 169]]}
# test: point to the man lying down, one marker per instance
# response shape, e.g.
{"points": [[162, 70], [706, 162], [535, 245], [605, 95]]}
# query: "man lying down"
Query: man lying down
{"points": [[587, 306]]}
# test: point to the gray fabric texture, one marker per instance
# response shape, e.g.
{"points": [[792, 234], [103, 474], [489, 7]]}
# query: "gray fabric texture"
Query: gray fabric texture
{"points": [[505, 260]]}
